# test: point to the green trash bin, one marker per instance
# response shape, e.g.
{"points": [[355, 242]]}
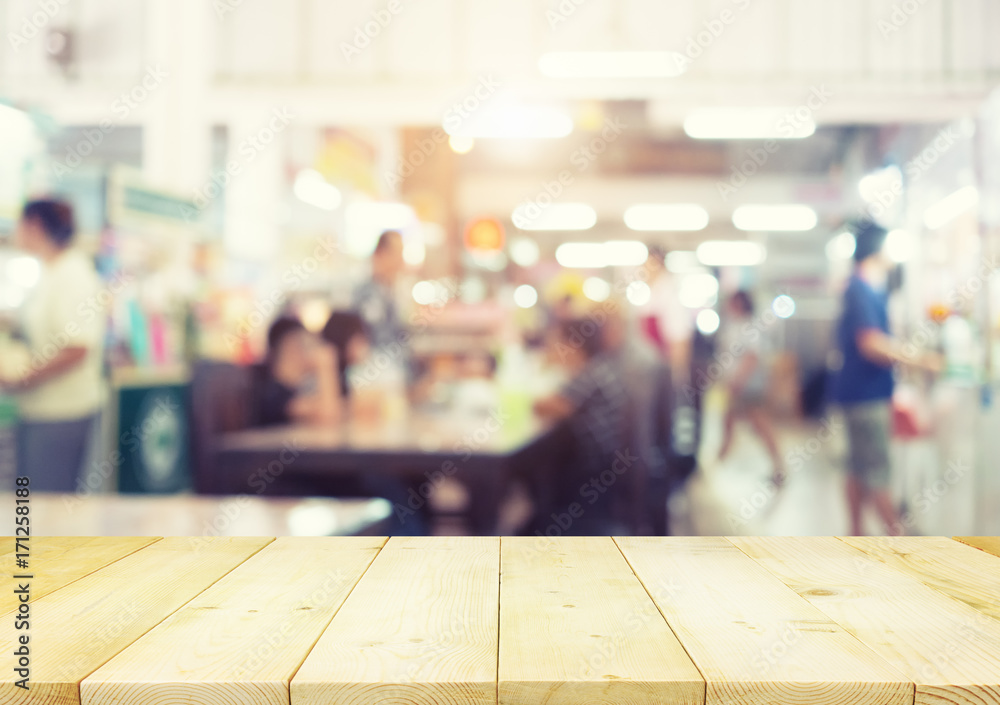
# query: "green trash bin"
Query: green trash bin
{"points": [[8, 443]]}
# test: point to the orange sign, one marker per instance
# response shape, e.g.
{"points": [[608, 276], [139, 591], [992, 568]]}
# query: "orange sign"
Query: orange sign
{"points": [[484, 235]]}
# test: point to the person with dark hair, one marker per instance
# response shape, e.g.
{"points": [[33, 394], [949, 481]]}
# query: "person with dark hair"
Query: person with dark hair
{"points": [[61, 392], [594, 402], [348, 334], [375, 299], [300, 385], [863, 385], [745, 378]]}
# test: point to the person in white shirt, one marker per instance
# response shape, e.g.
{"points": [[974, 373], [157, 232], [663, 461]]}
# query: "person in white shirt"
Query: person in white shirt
{"points": [[61, 391], [664, 321]]}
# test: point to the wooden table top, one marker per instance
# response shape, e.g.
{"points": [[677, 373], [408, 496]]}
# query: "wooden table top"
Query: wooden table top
{"points": [[56, 514], [511, 620]]}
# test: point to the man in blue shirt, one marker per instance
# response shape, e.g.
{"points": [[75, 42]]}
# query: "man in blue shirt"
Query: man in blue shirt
{"points": [[863, 385]]}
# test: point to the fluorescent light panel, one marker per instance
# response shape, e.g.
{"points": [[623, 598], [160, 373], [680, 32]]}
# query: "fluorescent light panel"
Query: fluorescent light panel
{"points": [[666, 216], [775, 218], [730, 253], [595, 255], [557, 216], [747, 124], [950, 207]]}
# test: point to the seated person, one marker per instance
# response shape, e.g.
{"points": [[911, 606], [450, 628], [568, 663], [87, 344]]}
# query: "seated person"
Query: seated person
{"points": [[300, 385], [594, 403], [348, 333]]}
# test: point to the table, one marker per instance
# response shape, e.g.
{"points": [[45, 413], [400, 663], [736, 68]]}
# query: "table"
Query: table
{"points": [[55, 514], [421, 620], [421, 447]]}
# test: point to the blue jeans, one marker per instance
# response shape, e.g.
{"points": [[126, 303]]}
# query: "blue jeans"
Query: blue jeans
{"points": [[52, 453]]}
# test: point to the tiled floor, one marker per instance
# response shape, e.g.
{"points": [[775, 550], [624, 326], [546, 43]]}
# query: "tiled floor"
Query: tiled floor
{"points": [[949, 482]]}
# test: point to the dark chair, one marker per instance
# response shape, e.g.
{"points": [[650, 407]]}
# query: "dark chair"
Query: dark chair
{"points": [[649, 430], [223, 399]]}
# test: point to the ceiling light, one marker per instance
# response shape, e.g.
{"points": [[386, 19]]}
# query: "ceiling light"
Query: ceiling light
{"points": [[525, 296], [596, 289], [683, 262], [666, 216], [524, 251], [730, 253], [310, 187], [747, 124], [698, 290], [783, 306], [707, 321], [900, 245], [775, 218], [461, 144], [841, 246], [612, 64], [638, 293], [595, 255], [556, 216], [950, 207]]}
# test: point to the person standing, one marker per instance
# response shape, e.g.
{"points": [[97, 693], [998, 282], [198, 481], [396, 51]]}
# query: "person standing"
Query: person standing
{"points": [[375, 299], [863, 385], [60, 394], [746, 381], [664, 321]]}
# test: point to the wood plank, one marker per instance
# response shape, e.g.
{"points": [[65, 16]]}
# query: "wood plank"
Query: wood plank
{"points": [[943, 645], [75, 630], [990, 544], [950, 567], [576, 626], [753, 639], [57, 561], [244, 637], [420, 627]]}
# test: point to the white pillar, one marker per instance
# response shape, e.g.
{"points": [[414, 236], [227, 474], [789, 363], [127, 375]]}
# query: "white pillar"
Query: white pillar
{"points": [[176, 128], [255, 162]]}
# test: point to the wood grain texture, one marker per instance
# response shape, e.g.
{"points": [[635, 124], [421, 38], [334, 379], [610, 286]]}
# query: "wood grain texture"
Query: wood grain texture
{"points": [[55, 562], [990, 544], [420, 627], [753, 639], [243, 638], [950, 650], [576, 626], [950, 567], [80, 627]]}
